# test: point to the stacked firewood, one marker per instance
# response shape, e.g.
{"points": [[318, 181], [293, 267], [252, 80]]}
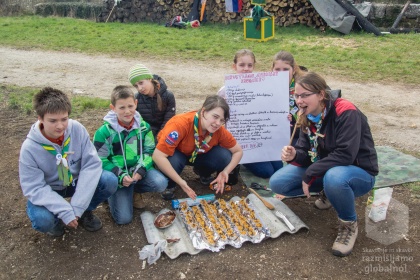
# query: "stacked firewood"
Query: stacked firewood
{"points": [[285, 12]]}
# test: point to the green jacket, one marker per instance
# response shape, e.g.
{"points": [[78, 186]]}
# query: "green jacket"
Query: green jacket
{"points": [[138, 145]]}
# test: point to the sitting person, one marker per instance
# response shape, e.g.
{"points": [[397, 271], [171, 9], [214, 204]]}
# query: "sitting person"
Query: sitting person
{"points": [[335, 153], [125, 145], [156, 105], [198, 138], [57, 160]]}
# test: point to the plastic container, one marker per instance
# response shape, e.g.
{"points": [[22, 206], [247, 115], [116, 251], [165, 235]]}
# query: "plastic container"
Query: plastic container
{"points": [[208, 197]]}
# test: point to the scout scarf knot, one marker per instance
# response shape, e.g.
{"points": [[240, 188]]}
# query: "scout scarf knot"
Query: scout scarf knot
{"points": [[313, 133], [203, 143], [63, 170]]}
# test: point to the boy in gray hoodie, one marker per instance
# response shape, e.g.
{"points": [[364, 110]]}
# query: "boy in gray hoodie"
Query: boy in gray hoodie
{"points": [[58, 160]]}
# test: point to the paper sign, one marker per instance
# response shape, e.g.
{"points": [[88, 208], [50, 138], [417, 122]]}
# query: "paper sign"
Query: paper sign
{"points": [[258, 113]]}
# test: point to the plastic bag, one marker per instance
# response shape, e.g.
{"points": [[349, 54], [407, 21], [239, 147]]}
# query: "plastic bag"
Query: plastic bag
{"points": [[381, 199]]}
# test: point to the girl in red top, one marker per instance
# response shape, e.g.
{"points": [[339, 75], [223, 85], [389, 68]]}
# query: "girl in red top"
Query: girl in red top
{"points": [[199, 139]]}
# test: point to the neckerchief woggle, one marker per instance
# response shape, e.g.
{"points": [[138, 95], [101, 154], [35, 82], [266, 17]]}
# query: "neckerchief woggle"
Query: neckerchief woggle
{"points": [[63, 170], [313, 136], [293, 108], [197, 139]]}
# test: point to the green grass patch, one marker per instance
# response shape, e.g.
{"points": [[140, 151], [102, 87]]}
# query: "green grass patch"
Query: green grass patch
{"points": [[358, 56], [20, 98]]}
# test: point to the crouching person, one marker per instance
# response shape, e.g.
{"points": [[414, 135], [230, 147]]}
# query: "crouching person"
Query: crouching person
{"points": [[334, 155], [57, 160], [125, 144]]}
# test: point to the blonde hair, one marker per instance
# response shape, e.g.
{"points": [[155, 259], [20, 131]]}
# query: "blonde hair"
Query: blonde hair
{"points": [[243, 52]]}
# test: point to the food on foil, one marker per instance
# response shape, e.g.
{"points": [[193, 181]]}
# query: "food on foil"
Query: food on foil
{"points": [[165, 219], [213, 225]]}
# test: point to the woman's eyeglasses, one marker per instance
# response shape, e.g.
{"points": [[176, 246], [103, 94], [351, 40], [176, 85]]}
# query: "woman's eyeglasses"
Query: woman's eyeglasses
{"points": [[303, 95]]}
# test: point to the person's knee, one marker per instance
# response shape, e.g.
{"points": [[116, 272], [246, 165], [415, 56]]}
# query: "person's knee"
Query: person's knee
{"points": [[43, 223], [123, 219], [108, 182], [161, 183]]}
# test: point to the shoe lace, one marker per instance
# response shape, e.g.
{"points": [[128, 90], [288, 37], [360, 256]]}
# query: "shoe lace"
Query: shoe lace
{"points": [[345, 232]]}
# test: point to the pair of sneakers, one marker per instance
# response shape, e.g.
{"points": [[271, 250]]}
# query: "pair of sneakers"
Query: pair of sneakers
{"points": [[88, 221]]}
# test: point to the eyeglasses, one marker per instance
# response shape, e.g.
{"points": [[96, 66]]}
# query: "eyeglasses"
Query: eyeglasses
{"points": [[303, 95], [217, 118]]}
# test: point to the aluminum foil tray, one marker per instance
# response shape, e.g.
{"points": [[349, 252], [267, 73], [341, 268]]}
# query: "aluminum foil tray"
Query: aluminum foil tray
{"points": [[178, 229]]}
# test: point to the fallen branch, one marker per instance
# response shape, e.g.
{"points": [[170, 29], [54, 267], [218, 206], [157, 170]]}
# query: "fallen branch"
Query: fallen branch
{"points": [[397, 21]]}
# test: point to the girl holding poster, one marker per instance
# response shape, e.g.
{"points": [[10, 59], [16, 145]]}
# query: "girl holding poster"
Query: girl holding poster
{"points": [[335, 153], [244, 62], [284, 61]]}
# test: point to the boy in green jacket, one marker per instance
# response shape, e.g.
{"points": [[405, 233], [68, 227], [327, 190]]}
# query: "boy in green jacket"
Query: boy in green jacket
{"points": [[125, 145]]}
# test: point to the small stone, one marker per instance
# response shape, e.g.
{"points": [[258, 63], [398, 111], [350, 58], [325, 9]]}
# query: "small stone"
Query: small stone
{"points": [[182, 275]]}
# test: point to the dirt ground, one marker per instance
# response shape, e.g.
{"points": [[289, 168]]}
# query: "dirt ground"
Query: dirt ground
{"points": [[112, 253]]}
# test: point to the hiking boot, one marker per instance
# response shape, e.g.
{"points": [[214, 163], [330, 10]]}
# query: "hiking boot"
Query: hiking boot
{"points": [[90, 221], [57, 230], [138, 201], [347, 234], [205, 181], [322, 203], [168, 194]]}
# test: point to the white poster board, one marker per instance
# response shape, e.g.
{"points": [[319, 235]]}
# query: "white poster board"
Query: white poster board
{"points": [[259, 105]]}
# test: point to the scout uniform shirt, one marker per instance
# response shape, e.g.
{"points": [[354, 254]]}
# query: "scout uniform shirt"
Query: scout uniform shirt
{"points": [[178, 133]]}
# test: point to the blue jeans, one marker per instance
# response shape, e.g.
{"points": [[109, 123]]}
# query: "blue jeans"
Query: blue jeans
{"points": [[341, 185], [121, 202], [213, 161], [44, 221], [264, 169]]}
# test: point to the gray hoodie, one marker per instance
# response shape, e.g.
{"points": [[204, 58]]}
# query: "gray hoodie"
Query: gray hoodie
{"points": [[39, 177]]}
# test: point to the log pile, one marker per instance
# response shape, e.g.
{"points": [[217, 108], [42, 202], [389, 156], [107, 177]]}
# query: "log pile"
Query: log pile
{"points": [[286, 12]]}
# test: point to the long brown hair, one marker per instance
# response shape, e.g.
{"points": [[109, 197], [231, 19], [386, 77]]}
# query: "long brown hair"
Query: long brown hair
{"points": [[156, 86], [312, 82], [289, 59]]}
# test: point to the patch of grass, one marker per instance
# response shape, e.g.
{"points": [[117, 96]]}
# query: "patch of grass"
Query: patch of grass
{"points": [[358, 56], [415, 187], [20, 98]]}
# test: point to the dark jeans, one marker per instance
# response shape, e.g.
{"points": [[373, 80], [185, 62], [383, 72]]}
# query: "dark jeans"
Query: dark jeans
{"points": [[264, 169], [213, 161]]}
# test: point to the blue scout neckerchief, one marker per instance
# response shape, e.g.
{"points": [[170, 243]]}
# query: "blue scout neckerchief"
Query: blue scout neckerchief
{"points": [[313, 135]]}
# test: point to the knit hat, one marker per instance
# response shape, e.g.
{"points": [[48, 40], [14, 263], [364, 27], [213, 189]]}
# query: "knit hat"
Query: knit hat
{"points": [[139, 72]]}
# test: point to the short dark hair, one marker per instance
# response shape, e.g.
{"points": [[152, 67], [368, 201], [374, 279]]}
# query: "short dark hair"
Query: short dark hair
{"points": [[214, 101], [121, 92], [51, 100]]}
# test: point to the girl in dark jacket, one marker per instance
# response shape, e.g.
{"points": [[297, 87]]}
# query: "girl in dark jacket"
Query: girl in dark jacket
{"points": [[155, 103], [335, 153]]}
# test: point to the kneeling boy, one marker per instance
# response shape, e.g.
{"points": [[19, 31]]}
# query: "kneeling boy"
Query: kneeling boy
{"points": [[125, 144], [57, 160]]}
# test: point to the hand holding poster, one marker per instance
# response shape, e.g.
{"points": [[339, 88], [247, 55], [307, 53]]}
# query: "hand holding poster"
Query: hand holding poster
{"points": [[258, 113]]}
